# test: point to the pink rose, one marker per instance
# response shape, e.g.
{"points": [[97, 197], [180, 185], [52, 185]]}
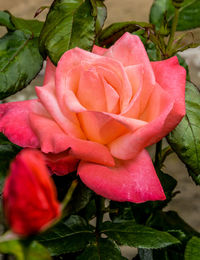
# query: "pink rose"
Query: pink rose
{"points": [[103, 108]]}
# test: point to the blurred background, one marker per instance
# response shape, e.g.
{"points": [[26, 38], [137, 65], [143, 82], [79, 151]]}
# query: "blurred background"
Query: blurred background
{"points": [[186, 203]]}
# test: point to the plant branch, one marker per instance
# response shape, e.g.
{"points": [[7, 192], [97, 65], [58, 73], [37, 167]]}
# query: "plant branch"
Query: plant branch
{"points": [[158, 155], [100, 209], [69, 194], [173, 30]]}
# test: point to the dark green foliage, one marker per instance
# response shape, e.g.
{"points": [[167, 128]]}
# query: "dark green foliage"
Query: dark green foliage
{"points": [[8, 151], [69, 24], [113, 32], [102, 249], [192, 251], [20, 60], [185, 138], [70, 235], [188, 14], [131, 234]]}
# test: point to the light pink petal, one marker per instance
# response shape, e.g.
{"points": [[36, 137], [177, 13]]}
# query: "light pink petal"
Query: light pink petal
{"points": [[132, 180], [100, 128], [68, 121], [129, 50], [53, 140], [14, 123], [90, 91], [112, 98], [67, 98], [157, 113], [171, 77], [98, 50], [117, 78], [140, 95], [104, 127], [50, 71], [135, 75], [72, 60]]}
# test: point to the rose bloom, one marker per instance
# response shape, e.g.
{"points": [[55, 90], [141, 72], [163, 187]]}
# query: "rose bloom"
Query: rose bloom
{"points": [[96, 112], [29, 194]]}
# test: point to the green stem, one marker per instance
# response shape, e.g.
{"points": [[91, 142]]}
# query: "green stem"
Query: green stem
{"points": [[26, 243], [64, 205], [173, 30], [158, 154], [69, 194], [100, 208]]}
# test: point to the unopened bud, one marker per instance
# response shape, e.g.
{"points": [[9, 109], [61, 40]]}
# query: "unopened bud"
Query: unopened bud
{"points": [[29, 195]]}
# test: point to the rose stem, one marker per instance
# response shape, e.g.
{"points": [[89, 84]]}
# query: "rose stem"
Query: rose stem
{"points": [[100, 207], [158, 155], [69, 194], [173, 30]]}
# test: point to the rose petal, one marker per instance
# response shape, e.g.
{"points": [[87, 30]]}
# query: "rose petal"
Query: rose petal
{"points": [[137, 104], [129, 50], [104, 127], [98, 50], [156, 113], [171, 77], [62, 163], [49, 77], [71, 59], [133, 180], [135, 75], [14, 123], [53, 140], [101, 128], [91, 92], [68, 121], [112, 98]]}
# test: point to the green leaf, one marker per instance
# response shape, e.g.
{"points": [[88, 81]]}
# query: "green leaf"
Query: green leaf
{"points": [[100, 12], [103, 249], [20, 62], [5, 20], [158, 10], [122, 211], [168, 183], [71, 235], [171, 222], [80, 199], [9, 244], [151, 51], [185, 138], [89, 211], [192, 251], [69, 24], [36, 251], [189, 17], [160, 254], [113, 32], [131, 234], [33, 27], [13, 23], [24, 249], [8, 151]]}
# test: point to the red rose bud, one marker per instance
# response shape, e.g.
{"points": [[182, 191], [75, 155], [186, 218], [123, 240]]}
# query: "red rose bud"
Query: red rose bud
{"points": [[29, 195]]}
